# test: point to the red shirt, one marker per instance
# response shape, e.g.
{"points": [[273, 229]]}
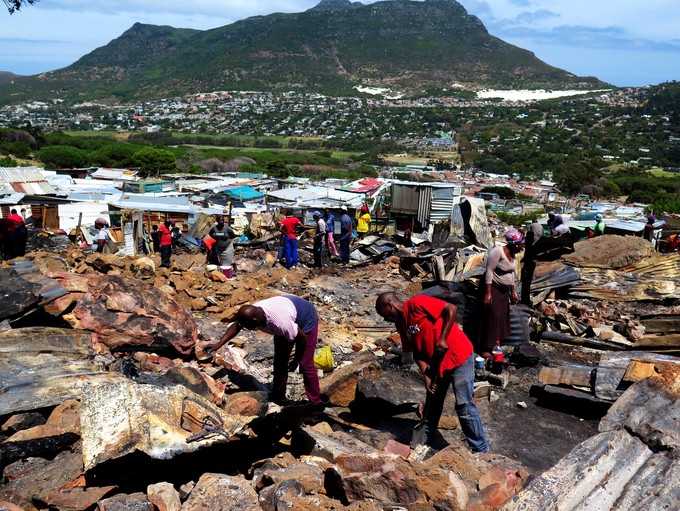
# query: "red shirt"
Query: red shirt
{"points": [[421, 327], [166, 237], [14, 221], [289, 224]]}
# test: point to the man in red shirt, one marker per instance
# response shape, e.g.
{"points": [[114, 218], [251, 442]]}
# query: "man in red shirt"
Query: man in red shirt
{"points": [[13, 236], [166, 244], [428, 330], [289, 227]]}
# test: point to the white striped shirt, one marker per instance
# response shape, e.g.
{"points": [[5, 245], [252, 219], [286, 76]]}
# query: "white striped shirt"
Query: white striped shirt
{"points": [[280, 314]]}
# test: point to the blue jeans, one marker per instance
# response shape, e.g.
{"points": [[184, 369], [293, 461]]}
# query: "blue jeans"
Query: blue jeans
{"points": [[463, 378], [290, 249], [344, 248]]}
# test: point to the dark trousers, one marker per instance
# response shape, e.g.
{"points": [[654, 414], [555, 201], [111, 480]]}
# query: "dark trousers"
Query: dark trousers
{"points": [[282, 350], [166, 252], [528, 267], [344, 248], [463, 379], [15, 243], [318, 252]]}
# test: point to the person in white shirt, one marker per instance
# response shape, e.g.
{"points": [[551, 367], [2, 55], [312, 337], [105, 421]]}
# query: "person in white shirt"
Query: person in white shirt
{"points": [[99, 242], [319, 236]]}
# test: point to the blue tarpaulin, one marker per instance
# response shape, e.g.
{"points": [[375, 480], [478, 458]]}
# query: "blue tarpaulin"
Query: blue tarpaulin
{"points": [[242, 193]]}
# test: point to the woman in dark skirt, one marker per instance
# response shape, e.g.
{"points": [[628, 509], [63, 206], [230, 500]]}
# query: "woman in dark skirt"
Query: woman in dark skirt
{"points": [[498, 288]]}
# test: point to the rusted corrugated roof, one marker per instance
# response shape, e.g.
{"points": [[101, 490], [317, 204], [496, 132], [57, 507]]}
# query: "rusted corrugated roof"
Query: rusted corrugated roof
{"points": [[650, 279], [27, 180]]}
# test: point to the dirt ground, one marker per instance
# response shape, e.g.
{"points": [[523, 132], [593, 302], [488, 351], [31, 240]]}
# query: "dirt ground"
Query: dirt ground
{"points": [[537, 435]]}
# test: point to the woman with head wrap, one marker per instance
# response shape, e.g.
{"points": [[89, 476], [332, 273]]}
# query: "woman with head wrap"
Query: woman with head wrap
{"points": [[499, 288], [99, 242], [223, 235], [363, 222]]}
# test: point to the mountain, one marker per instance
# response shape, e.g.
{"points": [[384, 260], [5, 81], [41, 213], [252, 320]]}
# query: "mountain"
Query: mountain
{"points": [[6, 76], [406, 46]]}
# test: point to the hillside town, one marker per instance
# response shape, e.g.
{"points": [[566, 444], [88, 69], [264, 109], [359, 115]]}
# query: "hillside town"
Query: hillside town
{"points": [[292, 114]]}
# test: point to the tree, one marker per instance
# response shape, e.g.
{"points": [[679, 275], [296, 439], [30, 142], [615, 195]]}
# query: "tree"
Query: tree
{"points": [[62, 157], [153, 161], [15, 5], [113, 155]]}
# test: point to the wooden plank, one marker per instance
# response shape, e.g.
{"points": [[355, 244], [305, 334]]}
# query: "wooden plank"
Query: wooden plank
{"points": [[661, 324], [661, 341], [577, 375]]}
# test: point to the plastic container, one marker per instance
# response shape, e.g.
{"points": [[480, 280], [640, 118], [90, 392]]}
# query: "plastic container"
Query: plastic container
{"points": [[323, 359], [211, 267], [497, 358]]}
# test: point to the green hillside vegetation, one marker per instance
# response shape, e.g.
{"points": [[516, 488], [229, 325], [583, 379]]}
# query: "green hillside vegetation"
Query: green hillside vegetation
{"points": [[62, 151], [404, 45]]}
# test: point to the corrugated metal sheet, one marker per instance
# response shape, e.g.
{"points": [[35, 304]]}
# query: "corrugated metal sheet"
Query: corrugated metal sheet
{"points": [[441, 209], [27, 180], [405, 199], [428, 203], [424, 202], [469, 219], [656, 278], [631, 464], [314, 192], [115, 174]]}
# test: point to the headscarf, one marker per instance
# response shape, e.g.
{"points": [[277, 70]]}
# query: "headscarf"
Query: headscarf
{"points": [[598, 217], [364, 209], [651, 219], [514, 237], [102, 221]]}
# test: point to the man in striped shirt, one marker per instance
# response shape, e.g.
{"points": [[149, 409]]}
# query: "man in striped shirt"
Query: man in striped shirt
{"points": [[294, 323]]}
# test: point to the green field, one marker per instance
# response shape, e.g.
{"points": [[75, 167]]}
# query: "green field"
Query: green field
{"points": [[663, 173]]}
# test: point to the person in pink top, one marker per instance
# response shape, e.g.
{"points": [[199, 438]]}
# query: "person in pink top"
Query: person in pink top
{"points": [[498, 287], [294, 323]]}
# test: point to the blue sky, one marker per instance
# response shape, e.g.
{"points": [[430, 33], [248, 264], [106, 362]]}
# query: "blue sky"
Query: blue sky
{"points": [[624, 42]]}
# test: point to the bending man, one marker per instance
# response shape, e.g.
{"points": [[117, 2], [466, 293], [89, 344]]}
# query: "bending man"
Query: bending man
{"points": [[294, 323], [443, 353]]}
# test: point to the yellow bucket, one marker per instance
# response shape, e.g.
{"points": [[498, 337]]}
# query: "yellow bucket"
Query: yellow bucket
{"points": [[323, 359], [211, 267]]}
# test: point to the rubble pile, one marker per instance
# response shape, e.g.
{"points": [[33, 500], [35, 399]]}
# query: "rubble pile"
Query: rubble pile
{"points": [[110, 400]]}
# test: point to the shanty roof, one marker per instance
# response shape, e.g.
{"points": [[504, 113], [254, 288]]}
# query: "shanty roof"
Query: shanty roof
{"points": [[208, 184], [27, 180], [316, 193], [632, 226], [243, 193], [177, 204], [115, 174], [366, 185]]}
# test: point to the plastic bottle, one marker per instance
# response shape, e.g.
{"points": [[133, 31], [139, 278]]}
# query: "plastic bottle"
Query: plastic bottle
{"points": [[497, 358]]}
